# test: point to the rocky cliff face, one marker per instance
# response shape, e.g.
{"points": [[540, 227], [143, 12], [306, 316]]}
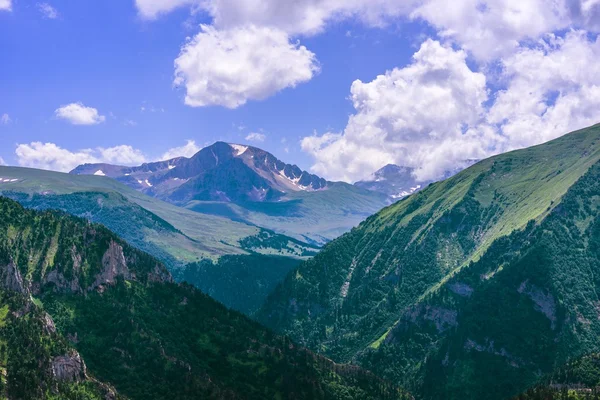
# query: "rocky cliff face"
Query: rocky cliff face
{"points": [[11, 279], [69, 368], [113, 266]]}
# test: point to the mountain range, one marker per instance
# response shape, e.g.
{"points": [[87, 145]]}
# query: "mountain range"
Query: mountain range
{"points": [[251, 258], [245, 183], [475, 287]]}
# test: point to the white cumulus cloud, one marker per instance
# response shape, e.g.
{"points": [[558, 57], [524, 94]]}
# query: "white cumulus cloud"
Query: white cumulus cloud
{"points": [[436, 112], [151, 9], [5, 119], [78, 114], [123, 154], [187, 150], [52, 157], [256, 137], [2, 162], [228, 68], [5, 5], [552, 88], [291, 16], [424, 115], [304, 17], [47, 10]]}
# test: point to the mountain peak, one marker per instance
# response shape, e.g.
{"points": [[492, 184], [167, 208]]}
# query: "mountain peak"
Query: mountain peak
{"points": [[393, 180], [223, 171]]}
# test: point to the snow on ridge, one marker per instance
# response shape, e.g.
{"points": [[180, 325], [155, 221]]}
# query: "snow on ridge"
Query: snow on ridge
{"points": [[294, 181], [405, 193], [148, 183], [5, 180], [171, 166], [239, 149], [99, 173]]}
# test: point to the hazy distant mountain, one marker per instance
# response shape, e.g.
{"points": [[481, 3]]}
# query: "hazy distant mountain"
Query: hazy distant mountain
{"points": [[245, 183], [398, 181], [394, 181]]}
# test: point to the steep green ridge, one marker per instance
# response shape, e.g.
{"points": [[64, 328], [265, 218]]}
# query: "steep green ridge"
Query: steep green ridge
{"points": [[421, 258], [499, 325], [174, 235], [148, 336]]}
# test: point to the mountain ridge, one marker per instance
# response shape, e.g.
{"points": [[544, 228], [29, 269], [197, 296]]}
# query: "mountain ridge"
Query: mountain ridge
{"points": [[373, 284], [179, 174], [247, 184]]}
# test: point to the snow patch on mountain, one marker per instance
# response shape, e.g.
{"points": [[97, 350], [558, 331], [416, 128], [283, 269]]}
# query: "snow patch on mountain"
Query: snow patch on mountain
{"points": [[99, 173], [239, 149], [405, 193]]}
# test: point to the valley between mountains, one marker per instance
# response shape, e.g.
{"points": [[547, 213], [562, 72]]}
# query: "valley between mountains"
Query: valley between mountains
{"points": [[233, 275]]}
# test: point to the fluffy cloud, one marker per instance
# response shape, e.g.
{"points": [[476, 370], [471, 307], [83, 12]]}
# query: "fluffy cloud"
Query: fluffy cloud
{"points": [[5, 119], [292, 16], [123, 154], [187, 150], [435, 113], [552, 88], [5, 5], [302, 16], [78, 114], [247, 53], [256, 137], [492, 28], [151, 9], [488, 29], [425, 115], [47, 10], [52, 157], [2, 162], [230, 67]]}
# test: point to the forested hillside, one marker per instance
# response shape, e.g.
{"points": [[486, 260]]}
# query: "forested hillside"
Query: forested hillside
{"points": [[473, 288], [135, 329], [577, 380]]}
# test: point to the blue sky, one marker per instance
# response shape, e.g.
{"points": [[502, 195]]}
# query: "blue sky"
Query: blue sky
{"points": [[447, 95]]}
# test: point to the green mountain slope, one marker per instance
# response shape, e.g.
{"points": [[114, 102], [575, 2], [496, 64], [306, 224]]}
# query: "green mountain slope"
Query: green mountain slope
{"points": [[139, 331], [315, 217], [576, 380], [442, 291], [36, 361], [174, 235]]}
